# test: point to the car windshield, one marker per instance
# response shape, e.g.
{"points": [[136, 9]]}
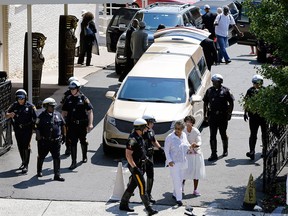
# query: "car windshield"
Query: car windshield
{"points": [[153, 20], [148, 89]]}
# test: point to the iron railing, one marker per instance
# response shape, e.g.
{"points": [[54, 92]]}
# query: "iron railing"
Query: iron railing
{"points": [[275, 154]]}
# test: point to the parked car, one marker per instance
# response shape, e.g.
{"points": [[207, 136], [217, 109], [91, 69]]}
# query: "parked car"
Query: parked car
{"points": [[169, 82], [233, 5], [243, 23], [168, 14]]}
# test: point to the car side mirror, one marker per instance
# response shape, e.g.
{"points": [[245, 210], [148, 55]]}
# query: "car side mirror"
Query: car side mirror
{"points": [[110, 94]]}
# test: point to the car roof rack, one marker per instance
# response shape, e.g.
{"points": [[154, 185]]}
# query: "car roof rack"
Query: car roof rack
{"points": [[166, 3]]}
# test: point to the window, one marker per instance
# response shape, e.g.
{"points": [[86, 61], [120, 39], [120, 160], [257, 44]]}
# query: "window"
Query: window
{"points": [[194, 82], [149, 89], [202, 66]]}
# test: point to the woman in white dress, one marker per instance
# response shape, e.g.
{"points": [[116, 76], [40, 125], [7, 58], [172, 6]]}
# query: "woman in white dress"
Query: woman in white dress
{"points": [[196, 165]]}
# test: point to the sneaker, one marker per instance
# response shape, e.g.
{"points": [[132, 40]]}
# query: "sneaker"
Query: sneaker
{"points": [[196, 193]]}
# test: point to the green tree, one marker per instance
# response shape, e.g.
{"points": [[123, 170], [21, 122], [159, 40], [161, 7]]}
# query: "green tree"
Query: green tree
{"points": [[269, 22]]}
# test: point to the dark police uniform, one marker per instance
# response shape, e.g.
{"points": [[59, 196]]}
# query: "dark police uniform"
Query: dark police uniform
{"points": [[136, 144], [218, 116], [23, 124], [49, 137], [255, 121], [77, 122], [149, 137]]}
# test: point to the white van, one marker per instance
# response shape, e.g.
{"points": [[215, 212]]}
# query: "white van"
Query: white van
{"points": [[169, 82]]}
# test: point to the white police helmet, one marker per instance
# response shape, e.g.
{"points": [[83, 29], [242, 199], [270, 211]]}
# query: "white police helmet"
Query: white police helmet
{"points": [[49, 102], [74, 85], [20, 94], [257, 79], [140, 124], [149, 118], [217, 78], [72, 79]]}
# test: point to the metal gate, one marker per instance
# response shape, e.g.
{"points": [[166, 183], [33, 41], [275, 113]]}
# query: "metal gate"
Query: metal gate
{"points": [[275, 155], [5, 125]]}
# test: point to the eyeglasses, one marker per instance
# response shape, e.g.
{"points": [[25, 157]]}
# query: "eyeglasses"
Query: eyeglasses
{"points": [[20, 98]]}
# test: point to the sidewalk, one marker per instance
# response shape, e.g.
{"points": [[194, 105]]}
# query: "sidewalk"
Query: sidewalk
{"points": [[69, 208]]}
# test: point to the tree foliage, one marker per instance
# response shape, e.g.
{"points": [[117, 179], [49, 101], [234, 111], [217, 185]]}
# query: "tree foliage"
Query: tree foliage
{"points": [[269, 22]]}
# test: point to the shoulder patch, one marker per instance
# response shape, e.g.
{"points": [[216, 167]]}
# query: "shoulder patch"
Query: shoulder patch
{"points": [[132, 141]]}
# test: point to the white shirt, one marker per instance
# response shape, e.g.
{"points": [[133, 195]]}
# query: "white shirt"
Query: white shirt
{"points": [[194, 136], [223, 24], [176, 148]]}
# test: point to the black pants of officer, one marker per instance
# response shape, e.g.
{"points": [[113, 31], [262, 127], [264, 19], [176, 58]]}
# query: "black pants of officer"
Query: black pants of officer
{"points": [[77, 132], [218, 121], [255, 122], [150, 175], [23, 138], [46, 146], [136, 180]]}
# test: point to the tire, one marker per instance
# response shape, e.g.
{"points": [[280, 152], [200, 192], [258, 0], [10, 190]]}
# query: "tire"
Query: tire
{"points": [[118, 68]]}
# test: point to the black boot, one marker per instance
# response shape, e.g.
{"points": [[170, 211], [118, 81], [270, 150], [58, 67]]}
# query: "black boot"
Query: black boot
{"points": [[22, 155], [73, 156], [84, 152], [213, 146], [149, 189], [124, 206], [56, 167], [26, 160], [39, 167], [225, 148], [147, 205]]}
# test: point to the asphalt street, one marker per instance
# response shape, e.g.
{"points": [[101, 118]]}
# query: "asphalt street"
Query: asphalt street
{"points": [[223, 188]]}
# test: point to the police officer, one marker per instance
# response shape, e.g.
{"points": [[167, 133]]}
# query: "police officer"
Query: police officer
{"points": [[50, 132], [23, 115], [255, 120], [66, 94], [218, 107], [136, 157], [78, 113], [150, 143]]}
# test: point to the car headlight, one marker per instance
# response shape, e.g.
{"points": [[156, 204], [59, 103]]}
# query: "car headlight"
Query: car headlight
{"points": [[111, 121], [121, 43]]}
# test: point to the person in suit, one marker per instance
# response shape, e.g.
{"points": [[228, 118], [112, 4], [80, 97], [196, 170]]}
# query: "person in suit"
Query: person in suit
{"points": [[127, 50], [139, 42], [209, 51], [208, 20]]}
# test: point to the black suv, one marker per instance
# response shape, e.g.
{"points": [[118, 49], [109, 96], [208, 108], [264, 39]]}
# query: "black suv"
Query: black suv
{"points": [[168, 14]]}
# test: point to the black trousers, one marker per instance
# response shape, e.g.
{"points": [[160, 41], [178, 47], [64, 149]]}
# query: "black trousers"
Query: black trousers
{"points": [[150, 168], [23, 138], [46, 146], [255, 122], [77, 132], [85, 50], [136, 181], [218, 122]]}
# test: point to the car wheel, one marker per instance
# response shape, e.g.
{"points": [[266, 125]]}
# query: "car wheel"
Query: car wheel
{"points": [[106, 148], [118, 68]]}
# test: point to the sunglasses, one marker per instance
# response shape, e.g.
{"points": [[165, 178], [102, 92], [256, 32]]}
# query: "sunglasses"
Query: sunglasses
{"points": [[20, 98]]}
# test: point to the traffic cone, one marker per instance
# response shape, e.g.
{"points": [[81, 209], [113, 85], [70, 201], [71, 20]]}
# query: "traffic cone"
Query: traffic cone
{"points": [[250, 195], [119, 184]]}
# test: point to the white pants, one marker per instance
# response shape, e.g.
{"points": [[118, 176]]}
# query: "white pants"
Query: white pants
{"points": [[176, 173]]}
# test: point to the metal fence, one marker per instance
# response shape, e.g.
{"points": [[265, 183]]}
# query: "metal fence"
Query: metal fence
{"points": [[275, 154]]}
